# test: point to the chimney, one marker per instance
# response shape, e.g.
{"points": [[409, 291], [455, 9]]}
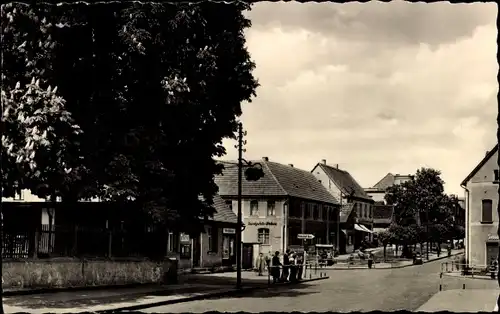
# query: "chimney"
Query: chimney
{"points": [[337, 166], [291, 165], [265, 158], [323, 161]]}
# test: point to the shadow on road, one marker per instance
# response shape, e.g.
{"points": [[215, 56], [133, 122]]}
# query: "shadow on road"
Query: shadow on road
{"points": [[188, 285]]}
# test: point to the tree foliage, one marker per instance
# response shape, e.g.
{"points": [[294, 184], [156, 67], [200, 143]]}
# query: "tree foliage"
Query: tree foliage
{"points": [[155, 88], [422, 211]]}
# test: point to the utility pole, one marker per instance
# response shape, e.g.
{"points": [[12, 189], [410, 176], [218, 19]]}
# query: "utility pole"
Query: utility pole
{"points": [[338, 224], [239, 225]]}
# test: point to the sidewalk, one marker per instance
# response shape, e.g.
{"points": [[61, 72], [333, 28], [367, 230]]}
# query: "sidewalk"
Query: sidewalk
{"points": [[400, 264], [190, 287], [461, 301]]}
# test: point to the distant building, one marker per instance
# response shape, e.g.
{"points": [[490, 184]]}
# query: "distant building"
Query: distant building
{"points": [[286, 202], [377, 192], [481, 202], [357, 209]]}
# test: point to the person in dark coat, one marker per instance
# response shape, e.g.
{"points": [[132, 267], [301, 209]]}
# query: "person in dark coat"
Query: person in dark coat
{"points": [[300, 266], [286, 266], [275, 266]]}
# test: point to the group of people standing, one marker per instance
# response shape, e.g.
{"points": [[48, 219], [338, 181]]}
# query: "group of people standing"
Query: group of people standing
{"points": [[290, 270]]}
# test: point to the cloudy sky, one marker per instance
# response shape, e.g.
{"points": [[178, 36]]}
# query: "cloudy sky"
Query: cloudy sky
{"points": [[375, 88]]}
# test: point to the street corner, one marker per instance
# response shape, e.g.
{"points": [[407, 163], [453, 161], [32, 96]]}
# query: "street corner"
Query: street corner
{"points": [[457, 300]]}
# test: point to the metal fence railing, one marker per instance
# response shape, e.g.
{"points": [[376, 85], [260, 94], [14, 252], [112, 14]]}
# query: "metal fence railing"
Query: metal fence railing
{"points": [[293, 273]]}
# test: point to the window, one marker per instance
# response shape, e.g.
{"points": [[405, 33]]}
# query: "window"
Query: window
{"points": [[212, 239], [302, 209], [496, 175], [308, 213], [315, 212], [254, 208], [173, 241], [487, 211], [320, 213], [230, 204], [271, 208], [264, 236], [295, 210], [185, 251]]}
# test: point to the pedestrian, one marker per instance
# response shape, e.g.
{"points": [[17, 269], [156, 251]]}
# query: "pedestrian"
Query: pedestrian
{"points": [[286, 265], [293, 268], [370, 260], [300, 266], [260, 264], [275, 267]]}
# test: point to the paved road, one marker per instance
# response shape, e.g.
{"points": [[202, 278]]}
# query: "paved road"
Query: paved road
{"points": [[345, 290]]}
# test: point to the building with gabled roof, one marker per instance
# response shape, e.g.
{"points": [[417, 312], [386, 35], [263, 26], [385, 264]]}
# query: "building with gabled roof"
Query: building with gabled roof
{"points": [[341, 185], [481, 216], [377, 192], [286, 202]]}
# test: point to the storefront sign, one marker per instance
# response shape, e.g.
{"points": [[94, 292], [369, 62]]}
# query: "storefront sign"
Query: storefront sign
{"points": [[184, 238], [262, 223], [492, 237], [229, 230]]}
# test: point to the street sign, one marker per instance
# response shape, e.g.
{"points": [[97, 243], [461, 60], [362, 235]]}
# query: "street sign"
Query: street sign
{"points": [[305, 236]]}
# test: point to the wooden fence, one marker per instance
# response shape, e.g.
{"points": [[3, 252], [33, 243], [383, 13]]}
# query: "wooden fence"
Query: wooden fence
{"points": [[76, 241]]}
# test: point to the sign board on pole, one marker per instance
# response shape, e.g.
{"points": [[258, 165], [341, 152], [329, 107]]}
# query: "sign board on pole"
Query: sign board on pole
{"points": [[305, 236]]}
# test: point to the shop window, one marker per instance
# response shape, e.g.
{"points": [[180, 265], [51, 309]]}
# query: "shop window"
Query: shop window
{"points": [[271, 208], [487, 211], [254, 208], [185, 251], [263, 234]]}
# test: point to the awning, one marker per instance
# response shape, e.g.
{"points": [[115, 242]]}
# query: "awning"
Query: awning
{"points": [[366, 229], [362, 228]]}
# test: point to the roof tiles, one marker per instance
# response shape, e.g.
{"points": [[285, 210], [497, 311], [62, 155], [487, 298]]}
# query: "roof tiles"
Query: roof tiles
{"points": [[278, 180], [345, 181]]}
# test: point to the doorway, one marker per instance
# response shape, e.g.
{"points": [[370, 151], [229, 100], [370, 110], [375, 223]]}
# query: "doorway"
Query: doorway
{"points": [[247, 256], [196, 251]]}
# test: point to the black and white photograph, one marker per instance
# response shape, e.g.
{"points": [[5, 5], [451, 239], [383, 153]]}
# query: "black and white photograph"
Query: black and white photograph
{"points": [[237, 156]]}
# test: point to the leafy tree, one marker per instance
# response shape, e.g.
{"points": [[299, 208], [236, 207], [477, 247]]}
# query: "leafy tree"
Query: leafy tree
{"points": [[154, 88], [422, 210]]}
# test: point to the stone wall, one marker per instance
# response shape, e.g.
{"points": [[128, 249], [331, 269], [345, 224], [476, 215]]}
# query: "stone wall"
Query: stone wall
{"points": [[67, 272]]}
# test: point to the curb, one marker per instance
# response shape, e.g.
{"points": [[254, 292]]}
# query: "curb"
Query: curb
{"points": [[469, 277], [393, 267], [228, 292], [12, 293]]}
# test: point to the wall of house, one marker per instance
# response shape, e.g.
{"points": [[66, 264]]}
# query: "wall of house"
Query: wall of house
{"points": [[481, 187], [261, 220], [377, 196], [208, 258], [326, 182]]}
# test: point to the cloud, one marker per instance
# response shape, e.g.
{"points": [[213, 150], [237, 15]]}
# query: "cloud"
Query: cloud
{"points": [[376, 87]]}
